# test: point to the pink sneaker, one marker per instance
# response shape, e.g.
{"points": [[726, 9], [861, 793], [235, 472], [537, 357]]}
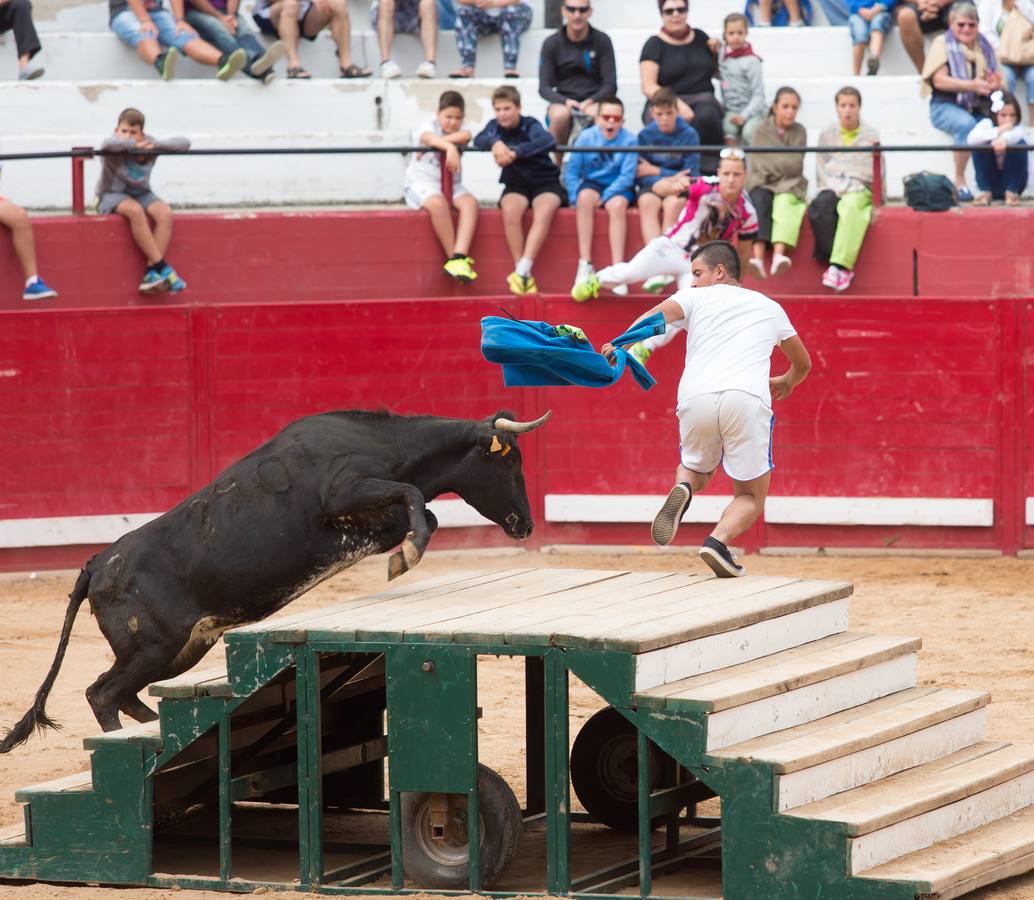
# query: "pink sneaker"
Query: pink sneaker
{"points": [[837, 279]]}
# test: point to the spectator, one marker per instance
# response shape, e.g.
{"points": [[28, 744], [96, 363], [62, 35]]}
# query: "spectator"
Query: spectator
{"points": [[1000, 175], [794, 15], [124, 187], [961, 71], [446, 15], [16, 16], [576, 69], [16, 220], [521, 147], [408, 17], [291, 20], [841, 211], [914, 19], [224, 26], [869, 23], [1013, 44], [601, 179], [777, 185], [159, 37], [743, 89], [658, 214], [424, 186], [477, 18], [683, 59]]}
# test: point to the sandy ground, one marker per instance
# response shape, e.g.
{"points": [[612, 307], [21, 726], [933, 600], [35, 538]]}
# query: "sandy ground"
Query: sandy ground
{"points": [[974, 615]]}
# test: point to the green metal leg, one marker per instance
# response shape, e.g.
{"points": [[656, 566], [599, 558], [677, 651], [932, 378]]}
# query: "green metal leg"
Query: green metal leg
{"points": [[225, 804], [474, 837], [310, 776], [645, 834], [558, 790], [395, 826]]}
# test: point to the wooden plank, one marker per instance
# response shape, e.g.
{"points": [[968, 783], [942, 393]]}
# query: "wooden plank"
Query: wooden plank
{"points": [[80, 781], [149, 733], [190, 684], [857, 729], [1009, 870]]}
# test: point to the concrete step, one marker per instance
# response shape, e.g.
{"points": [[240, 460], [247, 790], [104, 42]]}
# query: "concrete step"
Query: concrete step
{"points": [[939, 800]]}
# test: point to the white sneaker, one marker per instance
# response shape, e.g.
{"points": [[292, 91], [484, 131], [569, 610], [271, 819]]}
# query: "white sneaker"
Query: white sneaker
{"points": [[390, 69], [756, 267], [780, 264], [274, 53], [657, 283], [620, 290], [427, 69]]}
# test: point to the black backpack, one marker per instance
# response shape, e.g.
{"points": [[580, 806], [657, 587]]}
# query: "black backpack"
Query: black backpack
{"points": [[930, 192]]}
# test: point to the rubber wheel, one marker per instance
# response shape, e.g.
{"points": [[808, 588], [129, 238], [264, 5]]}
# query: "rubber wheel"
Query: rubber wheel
{"points": [[604, 770], [440, 864]]}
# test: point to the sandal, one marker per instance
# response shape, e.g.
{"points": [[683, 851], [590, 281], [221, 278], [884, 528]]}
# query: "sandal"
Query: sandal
{"points": [[465, 72], [353, 71], [297, 72], [511, 73]]}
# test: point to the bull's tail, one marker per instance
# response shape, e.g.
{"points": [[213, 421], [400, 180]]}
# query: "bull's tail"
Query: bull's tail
{"points": [[36, 718]]}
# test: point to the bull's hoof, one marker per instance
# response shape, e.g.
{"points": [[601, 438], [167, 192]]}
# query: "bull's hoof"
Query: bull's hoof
{"points": [[397, 565], [404, 559]]}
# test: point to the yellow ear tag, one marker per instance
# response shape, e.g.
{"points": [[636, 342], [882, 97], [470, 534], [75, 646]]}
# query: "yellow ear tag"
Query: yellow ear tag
{"points": [[507, 449], [496, 446]]}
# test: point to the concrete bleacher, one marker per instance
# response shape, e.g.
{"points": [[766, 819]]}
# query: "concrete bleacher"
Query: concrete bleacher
{"points": [[91, 76]]}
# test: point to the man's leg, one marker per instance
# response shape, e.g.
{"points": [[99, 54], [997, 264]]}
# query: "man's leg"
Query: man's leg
{"points": [[161, 214], [17, 15], [559, 126], [428, 12], [441, 222], [336, 13], [284, 16], [585, 220], [911, 35], [385, 27], [543, 209], [467, 206], [513, 207], [17, 220], [650, 206], [617, 211], [659, 257], [748, 503], [140, 228], [512, 23], [854, 212]]}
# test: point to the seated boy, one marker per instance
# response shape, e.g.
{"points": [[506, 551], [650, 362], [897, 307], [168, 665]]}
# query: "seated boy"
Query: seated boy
{"points": [[424, 186], [601, 179], [743, 89], [521, 147], [17, 221], [667, 129], [125, 188]]}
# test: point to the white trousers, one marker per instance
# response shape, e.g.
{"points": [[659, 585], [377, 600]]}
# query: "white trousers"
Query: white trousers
{"points": [[662, 256]]}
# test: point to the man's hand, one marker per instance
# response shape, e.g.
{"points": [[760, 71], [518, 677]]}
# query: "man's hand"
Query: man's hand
{"points": [[866, 13], [230, 23], [999, 144], [981, 86], [646, 169], [737, 120], [502, 154], [183, 27], [681, 181], [452, 158], [573, 105], [608, 351], [149, 29], [780, 386]]}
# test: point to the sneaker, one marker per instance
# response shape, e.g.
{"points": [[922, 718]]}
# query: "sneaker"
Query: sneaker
{"points": [[427, 69], [720, 559], [262, 64], [756, 267], [873, 65], [620, 290], [461, 269], [166, 64], [175, 283], [657, 283], [230, 64], [390, 69], [153, 282], [37, 289], [586, 284], [640, 352], [780, 264], [666, 522], [837, 279], [31, 73], [521, 284]]}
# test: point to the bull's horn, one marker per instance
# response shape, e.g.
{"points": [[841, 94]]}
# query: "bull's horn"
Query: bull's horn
{"points": [[522, 427]]}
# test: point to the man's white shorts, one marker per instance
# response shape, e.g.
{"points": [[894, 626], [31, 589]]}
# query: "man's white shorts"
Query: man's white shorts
{"points": [[416, 192], [731, 427]]}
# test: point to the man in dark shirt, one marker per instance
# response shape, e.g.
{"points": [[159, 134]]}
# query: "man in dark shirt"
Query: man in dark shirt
{"points": [[576, 70]]}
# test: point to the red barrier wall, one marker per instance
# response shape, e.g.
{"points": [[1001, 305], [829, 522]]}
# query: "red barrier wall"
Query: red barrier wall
{"points": [[126, 410]]}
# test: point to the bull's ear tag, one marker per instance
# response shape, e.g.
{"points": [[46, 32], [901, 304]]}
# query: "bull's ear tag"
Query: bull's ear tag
{"points": [[507, 449], [496, 446]]}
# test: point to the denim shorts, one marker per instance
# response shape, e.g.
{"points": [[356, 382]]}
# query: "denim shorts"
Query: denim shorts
{"points": [[1019, 73], [860, 29], [407, 16], [599, 188], [127, 26], [952, 119]]}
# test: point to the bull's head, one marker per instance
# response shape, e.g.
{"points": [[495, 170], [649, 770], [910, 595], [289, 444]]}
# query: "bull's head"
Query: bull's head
{"points": [[493, 481]]}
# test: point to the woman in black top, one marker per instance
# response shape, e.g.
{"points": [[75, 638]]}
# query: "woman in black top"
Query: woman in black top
{"points": [[684, 59]]}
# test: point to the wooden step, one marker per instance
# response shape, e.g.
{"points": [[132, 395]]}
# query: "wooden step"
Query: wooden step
{"points": [[954, 867], [211, 682], [930, 803], [13, 835], [149, 734], [80, 781], [866, 743], [793, 687]]}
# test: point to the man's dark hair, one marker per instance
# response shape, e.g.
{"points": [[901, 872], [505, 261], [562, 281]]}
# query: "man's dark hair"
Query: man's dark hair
{"points": [[131, 117], [611, 101], [715, 253], [665, 98], [452, 99], [507, 93]]}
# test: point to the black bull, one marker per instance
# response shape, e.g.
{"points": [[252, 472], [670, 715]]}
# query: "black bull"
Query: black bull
{"points": [[326, 492]]}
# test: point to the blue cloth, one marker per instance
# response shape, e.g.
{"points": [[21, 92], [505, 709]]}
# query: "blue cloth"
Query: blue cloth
{"points": [[614, 170], [446, 15], [537, 354], [855, 5], [684, 135], [861, 30]]}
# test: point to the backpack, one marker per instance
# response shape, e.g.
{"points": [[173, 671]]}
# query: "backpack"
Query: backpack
{"points": [[930, 192]]}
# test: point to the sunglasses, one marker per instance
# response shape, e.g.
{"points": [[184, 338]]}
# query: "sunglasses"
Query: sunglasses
{"points": [[732, 153], [675, 11], [611, 118], [965, 25], [577, 10]]}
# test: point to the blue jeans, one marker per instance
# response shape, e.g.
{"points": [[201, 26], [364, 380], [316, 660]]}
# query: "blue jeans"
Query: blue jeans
{"points": [[215, 32], [952, 119], [446, 15], [127, 26], [860, 29], [1011, 177], [1014, 73]]}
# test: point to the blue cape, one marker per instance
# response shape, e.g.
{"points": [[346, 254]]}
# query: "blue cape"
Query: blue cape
{"points": [[536, 354]]}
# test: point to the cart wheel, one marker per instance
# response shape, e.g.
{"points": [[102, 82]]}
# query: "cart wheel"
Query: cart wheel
{"points": [[604, 770], [443, 862]]}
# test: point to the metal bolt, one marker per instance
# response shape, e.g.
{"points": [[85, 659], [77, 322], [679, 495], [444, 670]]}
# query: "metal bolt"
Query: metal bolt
{"points": [[428, 665]]}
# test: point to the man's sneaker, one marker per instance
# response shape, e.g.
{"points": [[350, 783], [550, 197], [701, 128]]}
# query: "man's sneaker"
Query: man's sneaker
{"points": [[426, 69], [390, 69], [756, 267], [175, 283], [780, 264], [31, 73], [461, 269], [37, 289], [521, 284], [153, 282], [587, 287], [837, 279], [166, 63], [620, 290], [640, 351], [230, 64], [719, 559], [657, 283], [666, 522], [262, 64]]}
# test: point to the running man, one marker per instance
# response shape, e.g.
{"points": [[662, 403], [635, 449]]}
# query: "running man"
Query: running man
{"points": [[725, 396]]}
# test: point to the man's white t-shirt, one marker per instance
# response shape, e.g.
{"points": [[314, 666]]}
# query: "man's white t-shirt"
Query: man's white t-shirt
{"points": [[731, 334]]}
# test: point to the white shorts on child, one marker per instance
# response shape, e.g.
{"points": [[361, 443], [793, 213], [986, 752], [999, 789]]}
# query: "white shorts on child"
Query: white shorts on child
{"points": [[416, 192], [730, 427]]}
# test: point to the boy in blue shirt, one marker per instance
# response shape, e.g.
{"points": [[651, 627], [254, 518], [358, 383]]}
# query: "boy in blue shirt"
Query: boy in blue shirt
{"points": [[601, 179], [657, 215]]}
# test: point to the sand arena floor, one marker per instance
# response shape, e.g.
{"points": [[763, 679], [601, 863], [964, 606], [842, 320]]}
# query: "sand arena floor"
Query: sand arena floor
{"points": [[976, 617]]}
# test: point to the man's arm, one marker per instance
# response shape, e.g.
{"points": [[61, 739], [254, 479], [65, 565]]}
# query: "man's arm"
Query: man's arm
{"points": [[608, 68], [669, 308], [547, 74], [539, 141], [800, 365], [487, 136]]}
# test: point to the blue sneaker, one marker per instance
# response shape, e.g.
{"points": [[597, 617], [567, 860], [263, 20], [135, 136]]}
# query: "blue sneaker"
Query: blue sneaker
{"points": [[175, 283], [37, 289], [152, 282]]}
